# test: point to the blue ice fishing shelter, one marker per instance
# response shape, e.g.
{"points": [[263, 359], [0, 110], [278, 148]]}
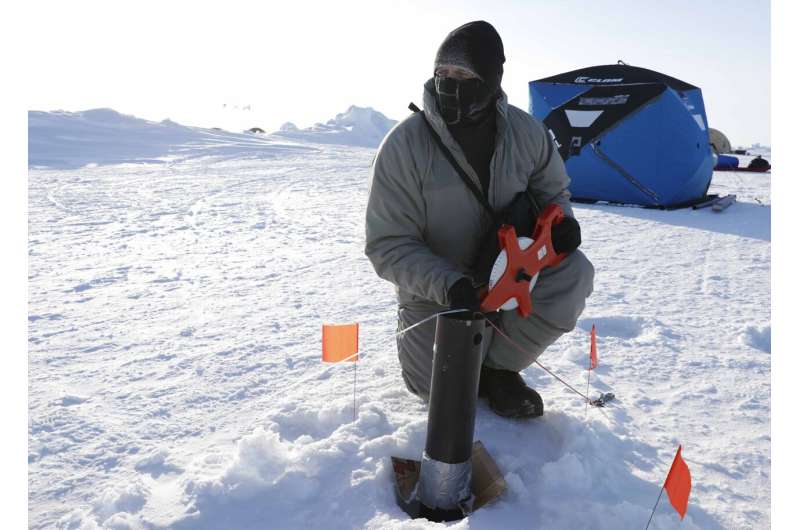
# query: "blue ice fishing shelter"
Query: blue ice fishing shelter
{"points": [[627, 134]]}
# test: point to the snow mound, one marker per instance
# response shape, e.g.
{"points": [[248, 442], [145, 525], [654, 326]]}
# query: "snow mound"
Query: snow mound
{"points": [[344, 480], [358, 126], [114, 508], [70, 140], [758, 337]]}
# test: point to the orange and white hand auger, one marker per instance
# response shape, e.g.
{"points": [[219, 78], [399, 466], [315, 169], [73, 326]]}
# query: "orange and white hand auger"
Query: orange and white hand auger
{"points": [[517, 266]]}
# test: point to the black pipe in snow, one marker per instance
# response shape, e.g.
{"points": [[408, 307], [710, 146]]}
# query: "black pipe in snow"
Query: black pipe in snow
{"points": [[446, 468], [454, 386]]}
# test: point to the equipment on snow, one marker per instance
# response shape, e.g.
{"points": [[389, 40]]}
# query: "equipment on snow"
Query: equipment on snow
{"points": [[705, 204], [759, 164], [602, 400], [716, 202], [723, 203], [731, 163], [744, 169], [445, 488], [726, 162], [517, 266]]}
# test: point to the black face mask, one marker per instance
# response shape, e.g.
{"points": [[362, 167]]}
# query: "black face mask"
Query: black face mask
{"points": [[463, 100]]}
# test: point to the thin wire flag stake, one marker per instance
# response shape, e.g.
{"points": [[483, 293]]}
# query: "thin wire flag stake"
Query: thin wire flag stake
{"points": [[355, 371], [340, 344], [592, 362], [660, 493], [588, 377]]}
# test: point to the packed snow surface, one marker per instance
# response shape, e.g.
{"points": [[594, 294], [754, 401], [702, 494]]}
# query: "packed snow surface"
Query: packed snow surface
{"points": [[177, 291]]}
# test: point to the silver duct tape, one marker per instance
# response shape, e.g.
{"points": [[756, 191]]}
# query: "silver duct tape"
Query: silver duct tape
{"points": [[443, 485]]}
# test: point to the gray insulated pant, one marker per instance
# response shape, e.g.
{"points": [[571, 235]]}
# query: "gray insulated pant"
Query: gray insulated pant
{"points": [[559, 298]]}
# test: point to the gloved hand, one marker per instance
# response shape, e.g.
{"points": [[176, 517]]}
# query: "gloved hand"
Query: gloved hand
{"points": [[463, 295], [566, 235]]}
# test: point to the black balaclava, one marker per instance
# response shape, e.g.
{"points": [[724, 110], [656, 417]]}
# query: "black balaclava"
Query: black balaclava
{"points": [[477, 47]]}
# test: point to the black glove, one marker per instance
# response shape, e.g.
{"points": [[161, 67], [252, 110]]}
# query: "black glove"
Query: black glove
{"points": [[463, 295], [566, 235]]}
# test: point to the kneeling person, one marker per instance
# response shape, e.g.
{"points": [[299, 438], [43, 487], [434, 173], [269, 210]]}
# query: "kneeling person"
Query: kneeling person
{"points": [[424, 224]]}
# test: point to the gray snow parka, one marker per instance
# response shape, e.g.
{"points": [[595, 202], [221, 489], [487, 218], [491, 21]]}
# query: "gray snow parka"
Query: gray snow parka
{"points": [[423, 225]]}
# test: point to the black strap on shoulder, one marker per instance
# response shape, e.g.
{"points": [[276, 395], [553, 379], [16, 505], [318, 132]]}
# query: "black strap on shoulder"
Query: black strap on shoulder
{"points": [[463, 174], [468, 181], [550, 149], [549, 141]]}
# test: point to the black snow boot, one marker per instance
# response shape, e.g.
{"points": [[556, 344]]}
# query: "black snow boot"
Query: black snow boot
{"points": [[508, 394]]}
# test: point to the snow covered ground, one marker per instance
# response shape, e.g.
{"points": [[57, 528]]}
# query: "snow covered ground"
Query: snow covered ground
{"points": [[174, 361]]}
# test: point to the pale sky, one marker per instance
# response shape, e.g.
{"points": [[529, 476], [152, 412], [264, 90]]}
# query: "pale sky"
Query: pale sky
{"points": [[307, 61]]}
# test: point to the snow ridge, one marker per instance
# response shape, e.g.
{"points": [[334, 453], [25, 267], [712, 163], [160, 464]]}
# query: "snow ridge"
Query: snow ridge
{"points": [[69, 140], [357, 126]]}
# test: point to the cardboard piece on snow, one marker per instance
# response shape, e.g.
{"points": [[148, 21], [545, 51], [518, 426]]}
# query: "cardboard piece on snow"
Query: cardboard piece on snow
{"points": [[487, 481]]}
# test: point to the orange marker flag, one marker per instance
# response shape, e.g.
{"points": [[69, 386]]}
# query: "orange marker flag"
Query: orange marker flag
{"points": [[339, 343], [679, 484], [593, 350]]}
